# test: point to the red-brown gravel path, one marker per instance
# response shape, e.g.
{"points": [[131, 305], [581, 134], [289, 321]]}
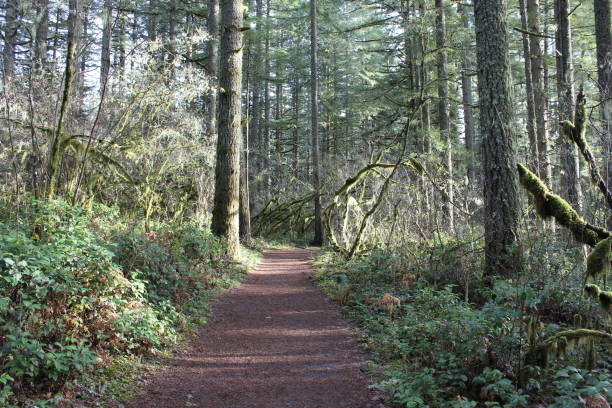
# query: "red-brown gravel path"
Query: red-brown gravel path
{"points": [[275, 341]]}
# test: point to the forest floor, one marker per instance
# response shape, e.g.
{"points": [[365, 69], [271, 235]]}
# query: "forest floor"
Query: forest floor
{"points": [[275, 341]]}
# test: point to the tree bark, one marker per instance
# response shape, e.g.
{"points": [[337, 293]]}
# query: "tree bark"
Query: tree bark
{"points": [[539, 91], [534, 160], [10, 37], [566, 97], [254, 131], [280, 101], [105, 56], [443, 117], [314, 126], [57, 144], [244, 205], [213, 67], [152, 20], [296, 128], [603, 40], [41, 33], [501, 206], [468, 101], [267, 109], [225, 221]]}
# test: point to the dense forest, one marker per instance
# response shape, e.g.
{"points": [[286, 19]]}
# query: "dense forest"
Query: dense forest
{"points": [[451, 158]]}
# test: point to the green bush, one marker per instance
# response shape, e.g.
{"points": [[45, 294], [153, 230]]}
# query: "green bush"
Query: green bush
{"points": [[69, 296], [439, 350]]}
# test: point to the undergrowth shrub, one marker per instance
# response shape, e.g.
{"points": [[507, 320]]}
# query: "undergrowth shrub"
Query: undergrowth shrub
{"points": [[438, 349], [69, 299]]}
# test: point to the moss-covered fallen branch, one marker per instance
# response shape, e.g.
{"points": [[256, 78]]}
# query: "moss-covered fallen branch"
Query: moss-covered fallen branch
{"points": [[551, 205], [576, 133]]}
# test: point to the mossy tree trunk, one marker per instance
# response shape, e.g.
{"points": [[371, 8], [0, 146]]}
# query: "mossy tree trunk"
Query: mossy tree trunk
{"points": [[225, 222], [501, 204]]}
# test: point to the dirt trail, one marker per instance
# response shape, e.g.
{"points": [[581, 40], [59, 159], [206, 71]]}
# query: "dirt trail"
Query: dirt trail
{"points": [[275, 341]]}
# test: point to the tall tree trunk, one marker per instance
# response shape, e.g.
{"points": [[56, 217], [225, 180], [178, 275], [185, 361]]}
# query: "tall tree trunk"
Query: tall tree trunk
{"points": [[468, 101], [172, 21], [10, 37], [244, 205], [56, 149], [254, 131], [534, 160], [105, 56], [81, 91], [120, 54], [443, 118], [225, 221], [152, 20], [430, 203], [56, 28], [213, 67], [296, 128], [501, 206], [603, 40], [566, 97], [41, 33], [280, 101], [267, 107], [539, 91], [314, 126]]}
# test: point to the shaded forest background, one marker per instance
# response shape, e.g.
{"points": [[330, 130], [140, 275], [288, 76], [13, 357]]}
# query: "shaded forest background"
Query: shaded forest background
{"points": [[373, 128]]}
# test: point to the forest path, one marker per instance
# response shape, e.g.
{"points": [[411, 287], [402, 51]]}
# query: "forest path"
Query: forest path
{"points": [[275, 341]]}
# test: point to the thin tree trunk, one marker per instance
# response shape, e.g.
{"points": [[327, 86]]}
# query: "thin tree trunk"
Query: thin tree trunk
{"points": [[296, 128], [54, 44], [10, 37], [501, 206], [280, 101], [213, 67], [443, 118], [56, 148], [267, 107], [534, 160], [254, 131], [603, 40], [539, 92], [244, 206], [105, 56], [468, 101], [41, 33], [225, 220], [172, 32], [152, 20], [566, 97], [314, 126]]}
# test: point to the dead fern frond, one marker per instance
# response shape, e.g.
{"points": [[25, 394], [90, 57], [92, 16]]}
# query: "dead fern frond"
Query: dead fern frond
{"points": [[387, 300]]}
